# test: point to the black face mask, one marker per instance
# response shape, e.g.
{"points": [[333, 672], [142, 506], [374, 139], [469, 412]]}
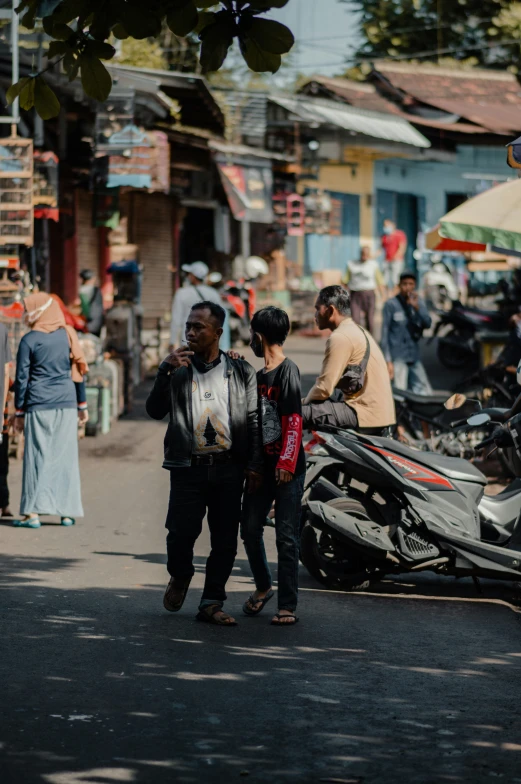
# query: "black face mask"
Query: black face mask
{"points": [[256, 346]]}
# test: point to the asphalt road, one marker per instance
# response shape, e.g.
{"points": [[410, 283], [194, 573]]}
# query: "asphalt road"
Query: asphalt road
{"points": [[418, 682]]}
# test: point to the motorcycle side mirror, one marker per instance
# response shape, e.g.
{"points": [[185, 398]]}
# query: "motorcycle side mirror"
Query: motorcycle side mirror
{"points": [[477, 420], [455, 401]]}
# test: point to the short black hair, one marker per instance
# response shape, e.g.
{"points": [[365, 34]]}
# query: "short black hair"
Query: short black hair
{"points": [[337, 296], [216, 310], [406, 275], [272, 323]]}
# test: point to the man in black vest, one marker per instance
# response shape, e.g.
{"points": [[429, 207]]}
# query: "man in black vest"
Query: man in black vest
{"points": [[212, 442]]}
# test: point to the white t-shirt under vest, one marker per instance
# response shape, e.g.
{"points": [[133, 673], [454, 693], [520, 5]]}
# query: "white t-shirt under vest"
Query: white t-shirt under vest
{"points": [[211, 410]]}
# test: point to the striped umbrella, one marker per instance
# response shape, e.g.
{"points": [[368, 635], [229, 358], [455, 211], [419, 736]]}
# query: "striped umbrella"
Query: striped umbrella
{"points": [[491, 218]]}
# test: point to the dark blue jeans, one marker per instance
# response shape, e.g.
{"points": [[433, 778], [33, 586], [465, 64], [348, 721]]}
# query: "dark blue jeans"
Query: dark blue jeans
{"points": [[194, 491], [287, 499]]}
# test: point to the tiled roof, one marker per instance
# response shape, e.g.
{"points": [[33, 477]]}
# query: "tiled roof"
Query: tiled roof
{"points": [[491, 99], [486, 101]]}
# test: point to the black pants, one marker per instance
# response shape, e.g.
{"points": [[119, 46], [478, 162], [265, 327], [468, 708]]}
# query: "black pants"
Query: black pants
{"points": [[194, 491], [4, 470], [331, 412]]}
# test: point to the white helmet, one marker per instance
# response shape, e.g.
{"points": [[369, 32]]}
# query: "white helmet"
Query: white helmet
{"points": [[255, 267]]}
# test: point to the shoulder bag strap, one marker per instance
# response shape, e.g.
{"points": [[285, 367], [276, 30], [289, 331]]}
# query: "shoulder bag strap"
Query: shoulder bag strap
{"points": [[365, 360]]}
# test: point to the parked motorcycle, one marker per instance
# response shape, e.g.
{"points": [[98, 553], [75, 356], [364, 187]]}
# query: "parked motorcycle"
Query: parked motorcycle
{"points": [[238, 296], [241, 299], [458, 345], [423, 421], [373, 506], [439, 285]]}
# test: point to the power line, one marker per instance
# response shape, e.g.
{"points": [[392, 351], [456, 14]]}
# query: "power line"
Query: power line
{"points": [[392, 31], [447, 50]]}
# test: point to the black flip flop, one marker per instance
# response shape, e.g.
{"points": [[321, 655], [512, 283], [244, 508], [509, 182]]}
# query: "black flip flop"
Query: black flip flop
{"points": [[247, 610], [205, 618], [284, 623]]}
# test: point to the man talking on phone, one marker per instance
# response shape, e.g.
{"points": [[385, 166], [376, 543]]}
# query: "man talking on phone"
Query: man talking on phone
{"points": [[212, 444], [405, 317]]}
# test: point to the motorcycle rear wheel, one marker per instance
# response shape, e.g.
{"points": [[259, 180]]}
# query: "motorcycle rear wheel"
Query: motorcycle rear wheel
{"points": [[330, 561], [452, 355]]}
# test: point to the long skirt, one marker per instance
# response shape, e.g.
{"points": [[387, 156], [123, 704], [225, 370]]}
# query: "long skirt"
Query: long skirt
{"points": [[51, 471]]}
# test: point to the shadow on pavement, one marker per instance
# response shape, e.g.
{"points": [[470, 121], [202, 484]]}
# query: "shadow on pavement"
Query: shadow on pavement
{"points": [[159, 697]]}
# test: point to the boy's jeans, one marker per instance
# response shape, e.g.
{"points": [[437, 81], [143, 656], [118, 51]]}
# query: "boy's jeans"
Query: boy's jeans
{"points": [[287, 499]]}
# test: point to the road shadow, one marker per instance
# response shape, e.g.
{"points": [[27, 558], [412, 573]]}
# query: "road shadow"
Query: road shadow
{"points": [[102, 686]]}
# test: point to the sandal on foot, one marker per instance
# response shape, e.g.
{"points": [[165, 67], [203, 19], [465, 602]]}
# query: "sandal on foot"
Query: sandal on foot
{"points": [[175, 595], [31, 522], [249, 610], [279, 622], [68, 521], [209, 617]]}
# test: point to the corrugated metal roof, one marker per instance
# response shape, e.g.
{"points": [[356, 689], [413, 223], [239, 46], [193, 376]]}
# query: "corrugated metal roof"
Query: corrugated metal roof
{"points": [[375, 124]]}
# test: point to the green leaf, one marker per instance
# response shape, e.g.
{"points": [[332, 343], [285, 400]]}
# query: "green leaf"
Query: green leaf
{"points": [[68, 10], [100, 49], [95, 78], [119, 32], [265, 5], [270, 36], [45, 101], [216, 40], [258, 59], [139, 22], [27, 95], [48, 24], [205, 18], [27, 20], [15, 89], [62, 31], [71, 65], [57, 48], [184, 19]]}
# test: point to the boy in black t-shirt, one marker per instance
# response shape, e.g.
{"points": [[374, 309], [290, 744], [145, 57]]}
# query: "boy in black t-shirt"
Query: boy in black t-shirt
{"points": [[280, 417]]}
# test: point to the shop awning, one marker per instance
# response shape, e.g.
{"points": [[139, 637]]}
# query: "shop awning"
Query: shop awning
{"points": [[434, 241], [491, 218], [374, 124], [249, 191]]}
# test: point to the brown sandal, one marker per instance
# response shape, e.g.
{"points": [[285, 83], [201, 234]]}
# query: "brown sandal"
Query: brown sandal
{"points": [[175, 595], [209, 617]]}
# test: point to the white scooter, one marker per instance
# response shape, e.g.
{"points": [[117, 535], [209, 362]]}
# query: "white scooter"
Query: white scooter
{"points": [[439, 285]]}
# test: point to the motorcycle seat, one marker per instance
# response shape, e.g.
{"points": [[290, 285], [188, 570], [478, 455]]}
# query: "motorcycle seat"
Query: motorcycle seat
{"points": [[435, 398], [491, 313]]}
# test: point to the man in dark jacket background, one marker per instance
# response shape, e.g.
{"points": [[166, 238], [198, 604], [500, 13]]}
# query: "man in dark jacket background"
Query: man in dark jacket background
{"points": [[212, 440]]}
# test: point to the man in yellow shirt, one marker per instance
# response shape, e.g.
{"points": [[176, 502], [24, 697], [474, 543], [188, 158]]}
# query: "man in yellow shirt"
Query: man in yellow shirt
{"points": [[372, 409]]}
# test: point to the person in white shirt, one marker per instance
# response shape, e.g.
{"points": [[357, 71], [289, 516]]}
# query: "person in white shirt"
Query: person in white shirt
{"points": [[188, 296], [363, 278]]}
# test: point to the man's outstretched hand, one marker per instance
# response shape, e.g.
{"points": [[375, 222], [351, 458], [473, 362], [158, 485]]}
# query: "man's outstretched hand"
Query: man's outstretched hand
{"points": [[181, 357], [235, 354], [253, 481]]}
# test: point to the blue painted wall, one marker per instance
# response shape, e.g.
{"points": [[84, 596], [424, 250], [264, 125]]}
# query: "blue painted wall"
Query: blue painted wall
{"points": [[433, 180], [324, 251]]}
